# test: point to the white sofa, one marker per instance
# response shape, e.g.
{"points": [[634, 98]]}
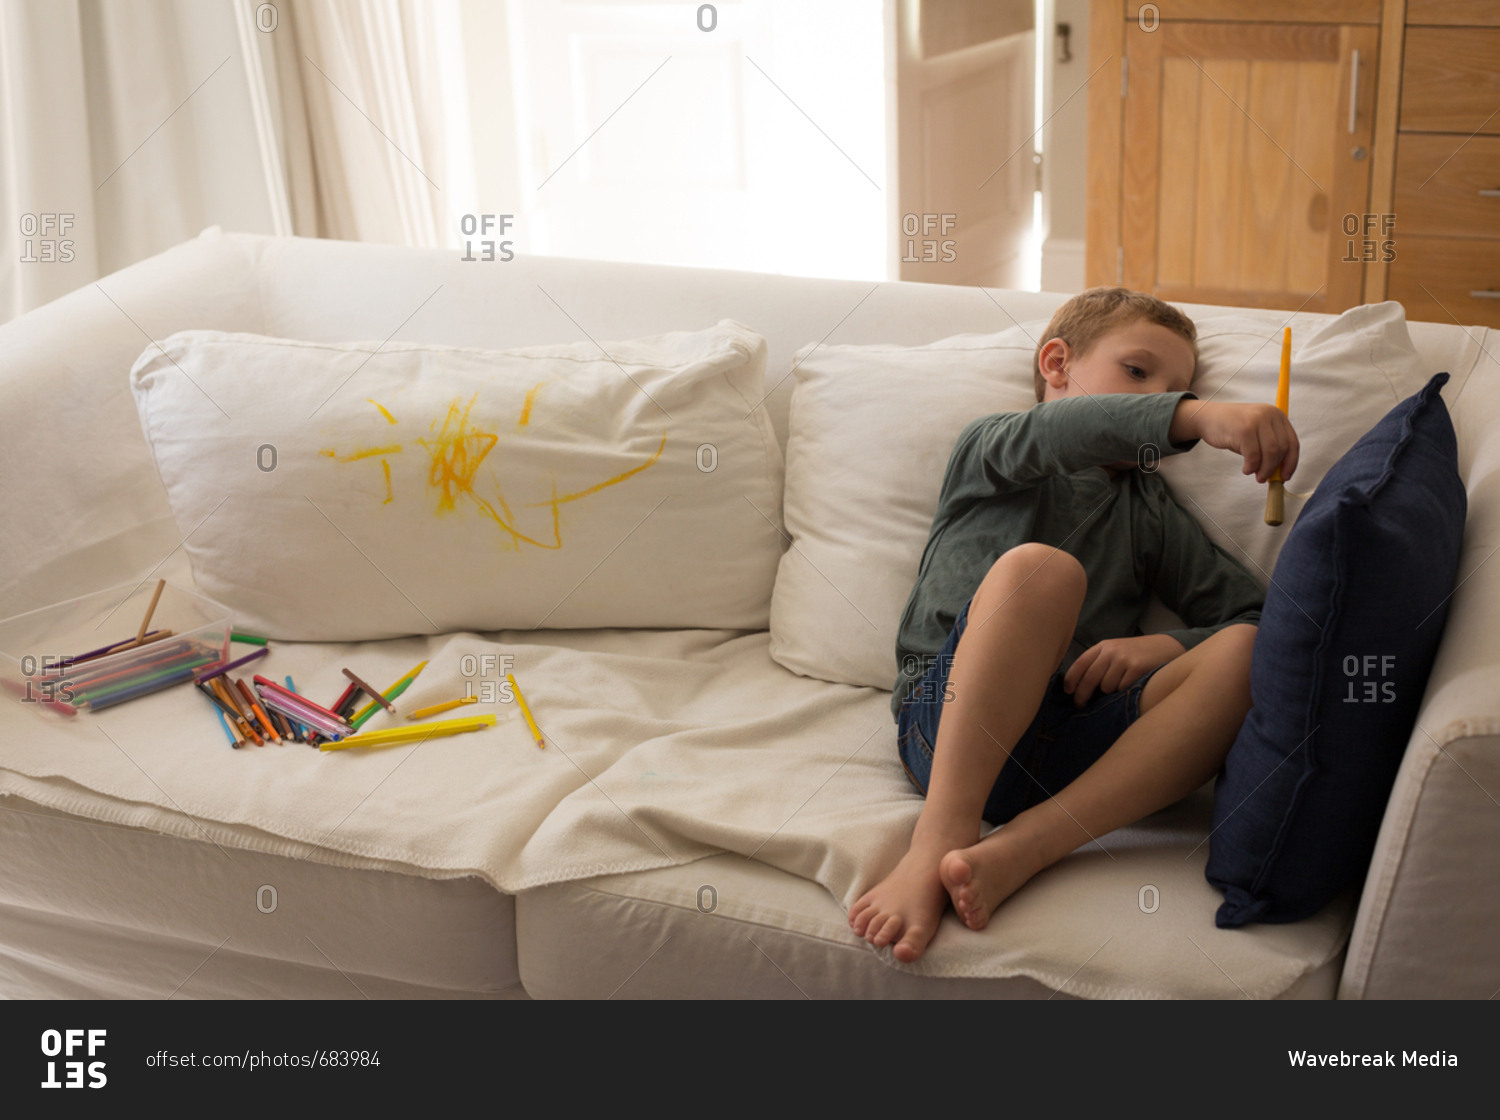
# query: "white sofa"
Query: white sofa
{"points": [[104, 893]]}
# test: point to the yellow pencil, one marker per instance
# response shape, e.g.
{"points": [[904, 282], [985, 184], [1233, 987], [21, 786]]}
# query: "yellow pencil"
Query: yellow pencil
{"points": [[526, 711], [1275, 507], [422, 713], [395, 736]]}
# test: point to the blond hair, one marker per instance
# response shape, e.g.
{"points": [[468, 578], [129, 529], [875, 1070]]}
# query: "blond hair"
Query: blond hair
{"points": [[1091, 314]]}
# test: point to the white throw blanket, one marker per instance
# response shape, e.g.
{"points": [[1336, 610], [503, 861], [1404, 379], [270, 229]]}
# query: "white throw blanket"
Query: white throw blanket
{"points": [[663, 747]]}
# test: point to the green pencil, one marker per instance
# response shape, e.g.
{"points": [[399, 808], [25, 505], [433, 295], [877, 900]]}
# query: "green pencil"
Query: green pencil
{"points": [[248, 639], [371, 708]]}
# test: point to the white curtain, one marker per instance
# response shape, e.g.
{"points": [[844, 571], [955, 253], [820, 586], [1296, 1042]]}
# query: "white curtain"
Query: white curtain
{"points": [[358, 98], [127, 126]]}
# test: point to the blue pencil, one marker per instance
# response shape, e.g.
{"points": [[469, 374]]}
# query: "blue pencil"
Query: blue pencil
{"points": [[224, 723], [302, 732]]}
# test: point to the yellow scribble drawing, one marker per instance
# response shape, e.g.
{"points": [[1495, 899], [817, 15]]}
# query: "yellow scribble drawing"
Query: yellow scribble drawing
{"points": [[526, 408], [457, 452], [383, 410]]}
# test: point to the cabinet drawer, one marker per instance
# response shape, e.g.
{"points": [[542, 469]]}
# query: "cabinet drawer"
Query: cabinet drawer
{"points": [[1434, 276], [1476, 13], [1451, 80], [1439, 185]]}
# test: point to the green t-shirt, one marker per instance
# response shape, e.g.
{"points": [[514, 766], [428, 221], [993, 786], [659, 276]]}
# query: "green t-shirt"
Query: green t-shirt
{"points": [[1038, 475]]}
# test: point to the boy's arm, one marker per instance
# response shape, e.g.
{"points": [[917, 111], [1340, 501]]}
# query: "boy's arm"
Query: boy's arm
{"points": [[1207, 588], [1012, 450]]}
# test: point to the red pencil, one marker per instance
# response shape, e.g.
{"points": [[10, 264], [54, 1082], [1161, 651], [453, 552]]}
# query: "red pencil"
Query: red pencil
{"points": [[298, 698]]}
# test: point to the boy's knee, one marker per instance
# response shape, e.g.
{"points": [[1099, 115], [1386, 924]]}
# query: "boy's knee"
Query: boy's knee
{"points": [[1043, 569], [1237, 641]]}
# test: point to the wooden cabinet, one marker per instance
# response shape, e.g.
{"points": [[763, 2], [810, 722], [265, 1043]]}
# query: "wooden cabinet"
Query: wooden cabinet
{"points": [[1228, 149], [1300, 157], [1443, 190]]}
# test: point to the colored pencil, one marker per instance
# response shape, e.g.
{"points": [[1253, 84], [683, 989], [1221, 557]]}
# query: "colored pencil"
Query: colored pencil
{"points": [[395, 736], [246, 639], [148, 673], [301, 700], [226, 694], [288, 704], [78, 658], [423, 713], [182, 650], [1275, 491], [302, 730], [140, 634], [526, 711], [346, 701], [214, 699], [371, 693], [362, 716], [283, 725], [130, 692], [260, 714], [234, 741], [249, 657]]}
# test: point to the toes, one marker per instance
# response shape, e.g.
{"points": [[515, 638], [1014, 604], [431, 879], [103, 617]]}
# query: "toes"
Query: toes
{"points": [[913, 945], [859, 910], [886, 933], [955, 871]]}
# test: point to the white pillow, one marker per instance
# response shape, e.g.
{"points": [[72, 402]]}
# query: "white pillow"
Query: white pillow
{"points": [[363, 490], [871, 429]]}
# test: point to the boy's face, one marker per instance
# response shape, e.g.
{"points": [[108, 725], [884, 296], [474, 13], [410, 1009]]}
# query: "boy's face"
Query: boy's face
{"points": [[1137, 357]]}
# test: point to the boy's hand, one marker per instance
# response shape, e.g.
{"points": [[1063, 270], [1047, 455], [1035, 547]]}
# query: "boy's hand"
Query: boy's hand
{"points": [[1259, 432], [1118, 663]]}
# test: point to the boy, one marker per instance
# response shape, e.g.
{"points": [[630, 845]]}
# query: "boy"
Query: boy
{"points": [[1046, 710]]}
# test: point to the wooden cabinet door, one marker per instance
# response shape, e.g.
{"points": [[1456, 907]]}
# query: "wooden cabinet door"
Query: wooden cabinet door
{"points": [[1241, 159]]}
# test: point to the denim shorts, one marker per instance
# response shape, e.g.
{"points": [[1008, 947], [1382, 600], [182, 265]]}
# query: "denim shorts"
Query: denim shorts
{"points": [[1062, 742]]}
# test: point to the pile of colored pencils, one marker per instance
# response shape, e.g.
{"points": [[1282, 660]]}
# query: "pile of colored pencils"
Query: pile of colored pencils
{"points": [[265, 711]]}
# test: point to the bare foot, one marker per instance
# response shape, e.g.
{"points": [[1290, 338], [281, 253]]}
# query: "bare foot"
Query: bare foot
{"points": [[906, 905], [981, 877]]}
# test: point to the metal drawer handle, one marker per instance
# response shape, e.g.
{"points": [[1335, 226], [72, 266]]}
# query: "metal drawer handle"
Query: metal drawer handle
{"points": [[1353, 91], [1486, 193], [1487, 293]]}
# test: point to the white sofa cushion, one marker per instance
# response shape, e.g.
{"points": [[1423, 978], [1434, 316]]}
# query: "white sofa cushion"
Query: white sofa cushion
{"points": [[871, 429], [365, 490]]}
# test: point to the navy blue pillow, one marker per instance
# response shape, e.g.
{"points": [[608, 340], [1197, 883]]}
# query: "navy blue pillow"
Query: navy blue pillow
{"points": [[1347, 637]]}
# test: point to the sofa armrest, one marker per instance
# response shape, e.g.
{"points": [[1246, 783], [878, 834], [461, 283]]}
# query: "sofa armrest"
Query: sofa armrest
{"points": [[1431, 903], [82, 493]]}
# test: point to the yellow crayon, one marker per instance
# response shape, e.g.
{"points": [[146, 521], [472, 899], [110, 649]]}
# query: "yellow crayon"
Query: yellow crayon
{"points": [[526, 711], [422, 713], [396, 736], [1275, 500]]}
